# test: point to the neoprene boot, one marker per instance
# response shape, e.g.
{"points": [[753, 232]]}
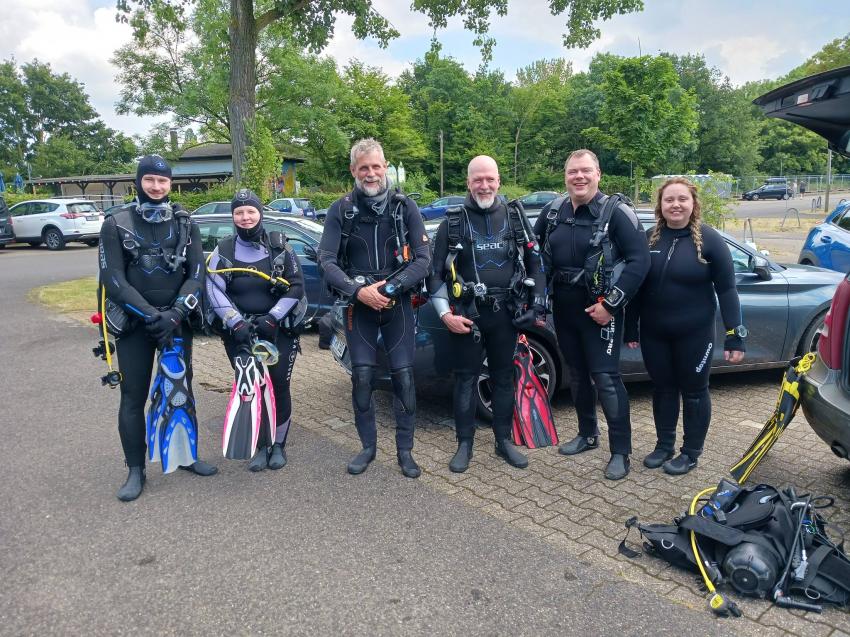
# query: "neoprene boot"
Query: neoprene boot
{"points": [[408, 465], [132, 488], [618, 467], [361, 461], [579, 444], [277, 459], [680, 465], [460, 461], [260, 460], [507, 450], [657, 458], [201, 468]]}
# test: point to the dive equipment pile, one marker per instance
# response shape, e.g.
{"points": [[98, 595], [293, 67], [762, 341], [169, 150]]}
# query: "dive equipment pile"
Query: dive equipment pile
{"points": [[765, 542]]}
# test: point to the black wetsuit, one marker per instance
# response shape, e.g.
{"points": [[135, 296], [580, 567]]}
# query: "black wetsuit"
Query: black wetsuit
{"points": [[676, 308], [489, 255], [135, 270], [591, 351], [371, 252], [238, 296]]}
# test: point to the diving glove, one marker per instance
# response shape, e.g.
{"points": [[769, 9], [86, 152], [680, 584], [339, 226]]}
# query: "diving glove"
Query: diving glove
{"points": [[533, 316], [265, 327], [163, 324]]}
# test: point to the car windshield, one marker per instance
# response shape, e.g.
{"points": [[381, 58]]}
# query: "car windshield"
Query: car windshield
{"points": [[82, 207], [302, 203]]}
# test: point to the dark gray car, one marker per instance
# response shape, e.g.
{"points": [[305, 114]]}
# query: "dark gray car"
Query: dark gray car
{"points": [[821, 103], [783, 305]]}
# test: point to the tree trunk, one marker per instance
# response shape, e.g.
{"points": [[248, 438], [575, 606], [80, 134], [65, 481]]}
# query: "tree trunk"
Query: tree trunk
{"points": [[243, 78]]}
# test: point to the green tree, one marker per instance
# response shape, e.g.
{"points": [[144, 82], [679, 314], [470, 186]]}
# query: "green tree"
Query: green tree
{"points": [[646, 115], [728, 135], [60, 156], [313, 22], [262, 161]]}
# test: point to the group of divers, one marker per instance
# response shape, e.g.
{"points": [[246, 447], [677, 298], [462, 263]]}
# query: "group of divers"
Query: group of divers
{"points": [[490, 276]]}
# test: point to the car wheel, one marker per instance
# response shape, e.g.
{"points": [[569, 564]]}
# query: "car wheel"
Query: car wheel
{"points": [[544, 365], [92, 243], [54, 239], [809, 342], [785, 196], [755, 197]]}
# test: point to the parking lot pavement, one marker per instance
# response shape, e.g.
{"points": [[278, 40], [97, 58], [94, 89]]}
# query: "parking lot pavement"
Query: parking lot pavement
{"points": [[566, 501]]}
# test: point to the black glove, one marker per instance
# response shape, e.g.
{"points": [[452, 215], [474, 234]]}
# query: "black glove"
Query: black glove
{"points": [[734, 342], [241, 333], [533, 316], [266, 327], [164, 324]]}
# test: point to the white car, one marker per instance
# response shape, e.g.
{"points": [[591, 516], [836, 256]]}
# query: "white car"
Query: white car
{"points": [[56, 221], [294, 206]]}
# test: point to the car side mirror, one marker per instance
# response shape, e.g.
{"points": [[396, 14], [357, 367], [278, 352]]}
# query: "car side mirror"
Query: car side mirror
{"points": [[310, 253], [761, 268]]}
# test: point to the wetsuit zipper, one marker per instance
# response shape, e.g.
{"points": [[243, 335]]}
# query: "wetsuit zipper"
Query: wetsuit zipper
{"points": [[666, 263]]}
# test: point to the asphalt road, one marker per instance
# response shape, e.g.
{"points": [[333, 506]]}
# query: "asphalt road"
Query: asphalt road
{"points": [[773, 209], [307, 550]]}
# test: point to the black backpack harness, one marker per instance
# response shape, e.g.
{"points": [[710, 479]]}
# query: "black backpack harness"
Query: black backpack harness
{"points": [[602, 263], [465, 293], [352, 217]]}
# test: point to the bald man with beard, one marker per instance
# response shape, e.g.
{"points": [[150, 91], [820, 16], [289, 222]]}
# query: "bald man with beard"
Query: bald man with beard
{"points": [[488, 261]]}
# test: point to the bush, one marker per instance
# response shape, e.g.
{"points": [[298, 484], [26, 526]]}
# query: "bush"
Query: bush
{"points": [[512, 191], [713, 205], [13, 197], [418, 182], [610, 184], [192, 200], [322, 199]]}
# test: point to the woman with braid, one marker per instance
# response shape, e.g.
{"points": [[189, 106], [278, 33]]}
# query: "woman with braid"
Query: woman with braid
{"points": [[674, 315]]}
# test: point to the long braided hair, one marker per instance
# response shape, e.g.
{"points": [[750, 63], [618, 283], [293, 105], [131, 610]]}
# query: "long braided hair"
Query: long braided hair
{"points": [[693, 222]]}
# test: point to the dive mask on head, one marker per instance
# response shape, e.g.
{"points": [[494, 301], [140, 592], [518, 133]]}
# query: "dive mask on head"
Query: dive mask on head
{"points": [[156, 212]]}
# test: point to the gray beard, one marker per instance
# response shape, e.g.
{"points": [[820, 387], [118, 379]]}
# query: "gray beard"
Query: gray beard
{"points": [[371, 190], [483, 202]]}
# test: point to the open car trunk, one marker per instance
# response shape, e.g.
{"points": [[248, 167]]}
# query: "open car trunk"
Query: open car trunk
{"points": [[819, 102]]}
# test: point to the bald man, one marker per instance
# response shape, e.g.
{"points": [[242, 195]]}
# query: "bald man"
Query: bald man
{"points": [[477, 288]]}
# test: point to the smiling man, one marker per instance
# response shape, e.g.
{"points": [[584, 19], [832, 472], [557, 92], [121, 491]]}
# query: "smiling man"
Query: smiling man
{"points": [[374, 253], [596, 253], [479, 290]]}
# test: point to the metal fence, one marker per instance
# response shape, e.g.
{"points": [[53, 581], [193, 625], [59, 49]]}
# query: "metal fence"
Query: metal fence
{"points": [[802, 185]]}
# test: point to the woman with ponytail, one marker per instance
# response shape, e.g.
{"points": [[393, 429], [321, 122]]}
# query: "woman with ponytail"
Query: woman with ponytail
{"points": [[672, 321]]}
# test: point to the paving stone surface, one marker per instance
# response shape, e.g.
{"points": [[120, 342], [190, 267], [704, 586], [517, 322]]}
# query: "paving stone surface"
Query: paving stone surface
{"points": [[567, 501]]}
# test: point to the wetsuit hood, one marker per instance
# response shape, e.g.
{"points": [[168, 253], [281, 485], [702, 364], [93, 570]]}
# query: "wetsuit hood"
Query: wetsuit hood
{"points": [[151, 165], [246, 197]]}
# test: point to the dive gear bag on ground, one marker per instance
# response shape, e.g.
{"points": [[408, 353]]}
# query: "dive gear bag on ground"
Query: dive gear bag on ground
{"points": [[762, 541]]}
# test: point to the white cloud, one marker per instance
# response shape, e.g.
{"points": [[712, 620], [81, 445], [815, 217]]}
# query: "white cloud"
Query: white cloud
{"points": [[80, 36]]}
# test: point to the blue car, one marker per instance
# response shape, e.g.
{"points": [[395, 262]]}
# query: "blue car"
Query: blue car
{"points": [[303, 235], [437, 208], [828, 243]]}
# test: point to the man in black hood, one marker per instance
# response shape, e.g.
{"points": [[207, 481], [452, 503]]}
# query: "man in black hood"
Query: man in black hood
{"points": [[374, 254], [152, 268]]}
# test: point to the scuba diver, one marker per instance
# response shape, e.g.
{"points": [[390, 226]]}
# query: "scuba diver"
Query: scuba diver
{"points": [[256, 288], [374, 252], [676, 307], [486, 283], [152, 273], [595, 252]]}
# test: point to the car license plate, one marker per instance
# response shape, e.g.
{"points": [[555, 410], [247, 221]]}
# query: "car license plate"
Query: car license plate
{"points": [[338, 346], [92, 218]]}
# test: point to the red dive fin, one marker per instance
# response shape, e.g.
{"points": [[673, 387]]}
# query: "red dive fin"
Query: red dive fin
{"points": [[534, 425]]}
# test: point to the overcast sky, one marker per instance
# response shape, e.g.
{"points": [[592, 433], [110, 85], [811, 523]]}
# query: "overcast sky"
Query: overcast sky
{"points": [[746, 40]]}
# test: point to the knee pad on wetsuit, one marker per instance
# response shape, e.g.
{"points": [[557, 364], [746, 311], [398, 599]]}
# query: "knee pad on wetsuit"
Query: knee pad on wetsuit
{"points": [[404, 389], [361, 383], [606, 388]]}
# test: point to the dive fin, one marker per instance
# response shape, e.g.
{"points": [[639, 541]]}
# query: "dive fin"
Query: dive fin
{"points": [[176, 427], [533, 420], [269, 405], [244, 410]]}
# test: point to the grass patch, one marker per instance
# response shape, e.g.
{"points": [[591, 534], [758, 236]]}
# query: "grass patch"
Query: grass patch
{"points": [[77, 297]]}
